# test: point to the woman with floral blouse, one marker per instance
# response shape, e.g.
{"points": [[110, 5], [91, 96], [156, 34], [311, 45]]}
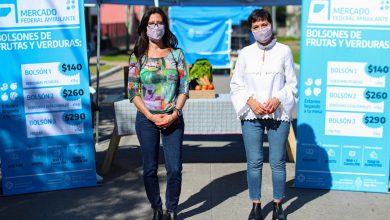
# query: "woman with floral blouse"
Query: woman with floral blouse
{"points": [[158, 86]]}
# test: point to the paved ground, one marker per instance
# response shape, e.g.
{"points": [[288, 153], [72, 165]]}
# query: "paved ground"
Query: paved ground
{"points": [[214, 184]]}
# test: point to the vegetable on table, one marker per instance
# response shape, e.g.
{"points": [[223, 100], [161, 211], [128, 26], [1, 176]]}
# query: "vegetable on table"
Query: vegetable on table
{"points": [[201, 74]]}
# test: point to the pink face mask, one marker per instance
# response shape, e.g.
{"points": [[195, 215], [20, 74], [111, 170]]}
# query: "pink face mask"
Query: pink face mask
{"points": [[155, 31], [263, 35]]}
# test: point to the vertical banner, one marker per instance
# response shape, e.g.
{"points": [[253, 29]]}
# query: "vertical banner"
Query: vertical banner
{"points": [[45, 123], [343, 122]]}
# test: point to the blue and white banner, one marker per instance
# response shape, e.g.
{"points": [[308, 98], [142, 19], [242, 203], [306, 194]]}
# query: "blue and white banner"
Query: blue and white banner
{"points": [[45, 123], [202, 36], [343, 120]]}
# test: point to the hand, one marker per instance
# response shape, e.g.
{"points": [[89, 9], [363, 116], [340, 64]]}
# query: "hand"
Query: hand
{"points": [[256, 107], [156, 117], [271, 105], [166, 121]]}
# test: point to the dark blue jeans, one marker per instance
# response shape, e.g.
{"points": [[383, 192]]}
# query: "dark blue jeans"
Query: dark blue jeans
{"points": [[172, 139]]}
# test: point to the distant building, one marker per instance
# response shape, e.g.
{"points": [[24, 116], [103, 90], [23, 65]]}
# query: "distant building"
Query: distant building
{"points": [[118, 25]]}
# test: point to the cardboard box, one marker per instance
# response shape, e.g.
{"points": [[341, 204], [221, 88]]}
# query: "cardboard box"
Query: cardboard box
{"points": [[202, 94]]}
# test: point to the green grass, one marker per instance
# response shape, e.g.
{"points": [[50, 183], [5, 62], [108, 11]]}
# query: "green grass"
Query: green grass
{"points": [[121, 57], [294, 44], [92, 68]]}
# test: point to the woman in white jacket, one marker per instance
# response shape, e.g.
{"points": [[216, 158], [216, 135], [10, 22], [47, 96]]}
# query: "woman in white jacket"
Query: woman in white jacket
{"points": [[264, 93]]}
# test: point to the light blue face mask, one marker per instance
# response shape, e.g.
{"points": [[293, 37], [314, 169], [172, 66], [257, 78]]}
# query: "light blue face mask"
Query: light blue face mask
{"points": [[263, 35], [155, 31]]}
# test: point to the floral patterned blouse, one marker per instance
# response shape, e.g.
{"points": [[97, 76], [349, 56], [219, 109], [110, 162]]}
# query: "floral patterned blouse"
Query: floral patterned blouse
{"points": [[159, 81]]}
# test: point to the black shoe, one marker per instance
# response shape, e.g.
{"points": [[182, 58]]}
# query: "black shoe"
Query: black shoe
{"points": [[157, 214], [170, 215], [278, 213], [255, 213]]}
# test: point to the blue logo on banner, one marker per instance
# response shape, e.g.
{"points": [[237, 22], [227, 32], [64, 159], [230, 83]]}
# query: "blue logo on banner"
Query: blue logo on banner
{"points": [[318, 8], [4, 12]]}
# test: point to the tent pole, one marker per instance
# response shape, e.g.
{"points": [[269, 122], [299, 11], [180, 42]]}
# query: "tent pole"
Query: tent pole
{"points": [[156, 3], [97, 75], [275, 24]]}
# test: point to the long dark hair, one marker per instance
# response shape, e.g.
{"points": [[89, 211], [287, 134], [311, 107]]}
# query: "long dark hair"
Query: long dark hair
{"points": [[142, 43]]}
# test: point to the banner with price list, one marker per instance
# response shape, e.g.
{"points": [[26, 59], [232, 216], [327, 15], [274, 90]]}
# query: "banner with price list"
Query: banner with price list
{"points": [[46, 123], [343, 120]]}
